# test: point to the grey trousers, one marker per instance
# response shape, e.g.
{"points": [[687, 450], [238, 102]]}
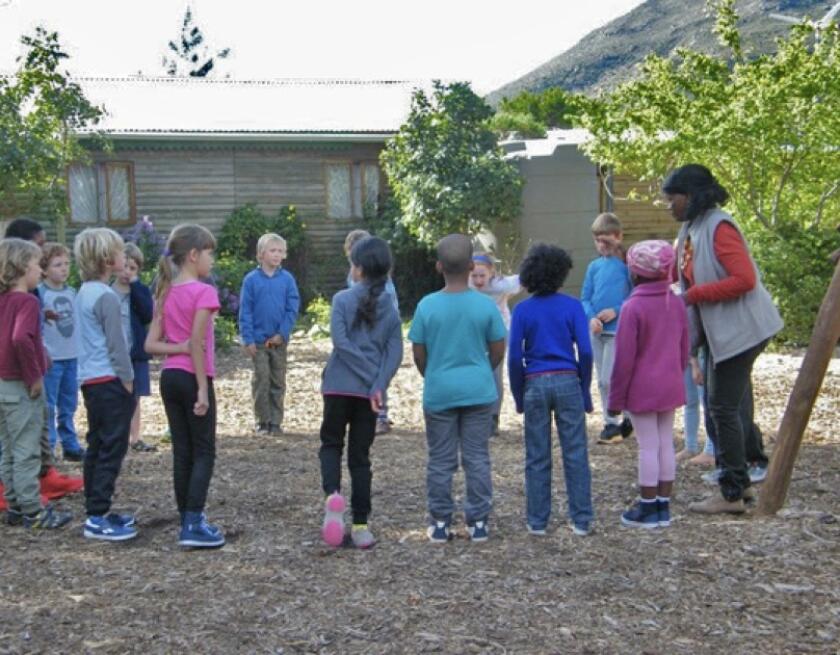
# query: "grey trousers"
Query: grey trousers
{"points": [[603, 351], [268, 384], [459, 433], [21, 424]]}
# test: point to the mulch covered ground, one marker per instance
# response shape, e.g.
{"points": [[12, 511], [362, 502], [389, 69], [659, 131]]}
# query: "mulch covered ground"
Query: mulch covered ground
{"points": [[706, 585]]}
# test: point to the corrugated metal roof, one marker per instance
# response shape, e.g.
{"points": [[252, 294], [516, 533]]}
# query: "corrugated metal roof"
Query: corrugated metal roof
{"points": [[188, 107]]}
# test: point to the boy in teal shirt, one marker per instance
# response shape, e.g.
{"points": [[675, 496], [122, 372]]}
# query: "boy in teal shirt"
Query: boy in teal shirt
{"points": [[458, 339]]}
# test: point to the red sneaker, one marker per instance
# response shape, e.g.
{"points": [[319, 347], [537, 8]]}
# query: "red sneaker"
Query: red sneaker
{"points": [[55, 485], [4, 505]]}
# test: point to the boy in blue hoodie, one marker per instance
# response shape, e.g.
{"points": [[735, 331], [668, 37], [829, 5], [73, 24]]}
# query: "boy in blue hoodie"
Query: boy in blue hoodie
{"points": [[606, 286], [268, 309]]}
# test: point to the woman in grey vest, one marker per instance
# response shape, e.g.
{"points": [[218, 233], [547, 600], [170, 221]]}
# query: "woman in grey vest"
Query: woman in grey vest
{"points": [[733, 316]]}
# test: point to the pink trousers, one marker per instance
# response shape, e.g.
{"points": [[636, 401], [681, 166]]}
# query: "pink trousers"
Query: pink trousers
{"points": [[655, 435]]}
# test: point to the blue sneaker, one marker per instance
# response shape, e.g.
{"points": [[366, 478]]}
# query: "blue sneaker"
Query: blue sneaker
{"points": [[641, 515], [197, 533], [99, 527], [582, 529], [478, 531], [439, 533], [663, 512], [123, 520]]}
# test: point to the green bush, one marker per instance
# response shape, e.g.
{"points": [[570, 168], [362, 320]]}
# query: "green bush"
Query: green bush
{"points": [[225, 331], [229, 272], [796, 270], [316, 321], [414, 271]]}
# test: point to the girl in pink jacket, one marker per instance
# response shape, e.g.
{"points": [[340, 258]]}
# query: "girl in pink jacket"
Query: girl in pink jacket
{"points": [[651, 353]]}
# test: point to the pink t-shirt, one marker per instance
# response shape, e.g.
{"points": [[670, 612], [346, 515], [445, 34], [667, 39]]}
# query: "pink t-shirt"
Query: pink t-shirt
{"points": [[179, 309]]}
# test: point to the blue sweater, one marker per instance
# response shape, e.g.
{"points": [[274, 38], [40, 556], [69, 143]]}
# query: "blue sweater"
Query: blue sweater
{"points": [[267, 306], [544, 333], [142, 307], [606, 285]]}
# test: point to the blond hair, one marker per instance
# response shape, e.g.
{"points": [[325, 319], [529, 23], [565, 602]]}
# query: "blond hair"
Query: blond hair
{"points": [[95, 250], [266, 239], [353, 238], [182, 241], [15, 255], [134, 253], [51, 250], [606, 223]]}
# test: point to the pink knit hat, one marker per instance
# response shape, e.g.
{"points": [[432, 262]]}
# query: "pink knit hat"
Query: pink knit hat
{"points": [[651, 259]]}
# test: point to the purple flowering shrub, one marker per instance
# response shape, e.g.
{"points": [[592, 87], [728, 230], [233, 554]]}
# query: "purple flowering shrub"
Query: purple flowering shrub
{"points": [[151, 242]]}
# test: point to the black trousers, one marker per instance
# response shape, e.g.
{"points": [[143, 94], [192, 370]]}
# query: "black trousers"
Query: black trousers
{"points": [[193, 437], [738, 439], [339, 412], [109, 410]]}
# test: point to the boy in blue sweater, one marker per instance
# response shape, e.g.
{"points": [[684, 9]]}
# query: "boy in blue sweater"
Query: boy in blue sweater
{"points": [[606, 286], [268, 308], [546, 376], [458, 339]]}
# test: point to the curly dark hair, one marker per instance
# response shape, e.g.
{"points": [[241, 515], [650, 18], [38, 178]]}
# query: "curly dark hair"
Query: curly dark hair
{"points": [[544, 269]]}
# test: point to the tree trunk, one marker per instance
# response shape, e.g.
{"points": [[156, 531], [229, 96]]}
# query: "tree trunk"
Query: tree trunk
{"points": [[801, 401]]}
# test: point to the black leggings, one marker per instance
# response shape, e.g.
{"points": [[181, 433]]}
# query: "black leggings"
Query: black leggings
{"points": [[193, 437], [738, 440], [339, 411]]}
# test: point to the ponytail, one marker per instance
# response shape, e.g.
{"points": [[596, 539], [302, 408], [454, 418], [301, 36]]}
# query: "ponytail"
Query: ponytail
{"points": [[373, 256]]}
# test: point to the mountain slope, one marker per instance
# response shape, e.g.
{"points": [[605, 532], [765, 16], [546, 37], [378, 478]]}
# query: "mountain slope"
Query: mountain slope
{"points": [[608, 55]]}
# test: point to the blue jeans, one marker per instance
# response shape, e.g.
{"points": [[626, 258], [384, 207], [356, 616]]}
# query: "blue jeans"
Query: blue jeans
{"points": [[464, 429], [562, 395], [62, 391]]}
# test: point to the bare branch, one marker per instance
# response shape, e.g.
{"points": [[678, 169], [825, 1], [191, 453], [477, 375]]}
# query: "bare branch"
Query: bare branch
{"points": [[823, 199]]}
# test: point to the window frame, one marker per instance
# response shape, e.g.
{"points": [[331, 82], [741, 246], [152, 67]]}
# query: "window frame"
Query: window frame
{"points": [[350, 164], [102, 169]]}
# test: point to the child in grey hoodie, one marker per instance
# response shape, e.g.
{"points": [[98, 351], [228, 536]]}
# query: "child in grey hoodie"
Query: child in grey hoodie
{"points": [[367, 351]]}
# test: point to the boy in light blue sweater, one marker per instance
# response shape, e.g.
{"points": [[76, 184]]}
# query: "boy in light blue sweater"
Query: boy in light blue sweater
{"points": [[606, 286], [268, 308], [458, 338]]}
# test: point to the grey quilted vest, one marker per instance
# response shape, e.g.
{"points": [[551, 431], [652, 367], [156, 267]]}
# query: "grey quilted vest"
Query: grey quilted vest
{"points": [[731, 326]]}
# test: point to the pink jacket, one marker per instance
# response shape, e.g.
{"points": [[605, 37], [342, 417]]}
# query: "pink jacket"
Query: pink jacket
{"points": [[651, 351]]}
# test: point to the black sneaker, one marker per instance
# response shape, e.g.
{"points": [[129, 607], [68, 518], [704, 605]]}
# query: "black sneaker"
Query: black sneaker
{"points": [[48, 518], [74, 455], [275, 430], [14, 516], [611, 434], [262, 430], [626, 427]]}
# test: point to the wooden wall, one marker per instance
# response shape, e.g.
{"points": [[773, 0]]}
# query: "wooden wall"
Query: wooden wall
{"points": [[641, 219], [204, 185]]}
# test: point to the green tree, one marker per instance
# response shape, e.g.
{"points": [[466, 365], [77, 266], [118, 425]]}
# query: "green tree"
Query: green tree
{"points": [[550, 108], [41, 110], [768, 126], [190, 54], [446, 169]]}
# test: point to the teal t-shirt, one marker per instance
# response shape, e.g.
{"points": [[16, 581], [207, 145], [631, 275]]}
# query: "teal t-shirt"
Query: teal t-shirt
{"points": [[456, 328]]}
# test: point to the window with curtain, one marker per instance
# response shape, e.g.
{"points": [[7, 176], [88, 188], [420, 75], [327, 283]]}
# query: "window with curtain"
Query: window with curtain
{"points": [[352, 190], [101, 194]]}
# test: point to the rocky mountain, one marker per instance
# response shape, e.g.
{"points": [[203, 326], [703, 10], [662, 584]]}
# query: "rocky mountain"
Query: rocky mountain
{"points": [[609, 54]]}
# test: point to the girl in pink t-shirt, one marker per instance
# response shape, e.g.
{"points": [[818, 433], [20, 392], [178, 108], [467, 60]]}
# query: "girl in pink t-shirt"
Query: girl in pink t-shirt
{"points": [[182, 330]]}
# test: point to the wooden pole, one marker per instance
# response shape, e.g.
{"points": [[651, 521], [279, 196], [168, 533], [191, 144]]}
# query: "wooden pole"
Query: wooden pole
{"points": [[801, 401]]}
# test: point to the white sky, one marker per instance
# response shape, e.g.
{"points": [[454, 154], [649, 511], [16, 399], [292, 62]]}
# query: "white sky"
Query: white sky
{"points": [[489, 42]]}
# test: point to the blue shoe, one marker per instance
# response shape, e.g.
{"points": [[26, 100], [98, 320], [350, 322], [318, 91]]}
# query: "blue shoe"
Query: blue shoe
{"points": [[663, 512], [439, 533], [99, 527], [48, 518], [641, 515], [478, 531], [582, 529], [123, 520], [197, 533]]}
